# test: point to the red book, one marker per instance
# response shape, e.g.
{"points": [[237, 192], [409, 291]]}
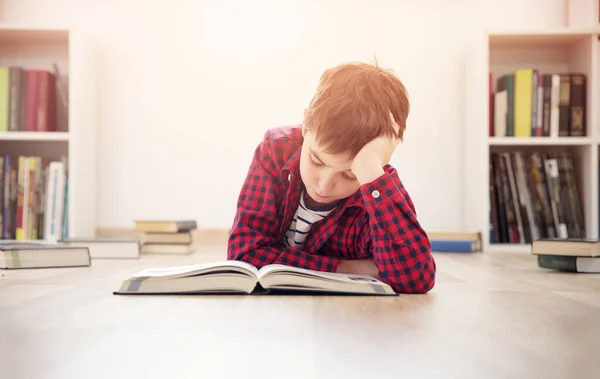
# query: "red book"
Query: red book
{"points": [[46, 116], [31, 100]]}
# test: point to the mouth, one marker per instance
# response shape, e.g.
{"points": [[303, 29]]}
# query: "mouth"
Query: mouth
{"points": [[320, 196]]}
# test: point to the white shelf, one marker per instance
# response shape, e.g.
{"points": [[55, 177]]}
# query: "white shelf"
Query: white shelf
{"points": [[555, 50], [39, 47], [540, 141], [34, 136]]}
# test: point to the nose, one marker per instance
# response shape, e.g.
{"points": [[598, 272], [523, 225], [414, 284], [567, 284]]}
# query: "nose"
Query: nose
{"points": [[326, 183]]}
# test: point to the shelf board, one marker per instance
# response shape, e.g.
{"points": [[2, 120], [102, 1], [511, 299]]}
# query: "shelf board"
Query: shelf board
{"points": [[539, 141], [19, 33], [34, 136], [550, 36], [509, 248]]}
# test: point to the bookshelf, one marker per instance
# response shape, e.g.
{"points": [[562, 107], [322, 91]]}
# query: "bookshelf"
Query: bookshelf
{"points": [[70, 139], [551, 51]]}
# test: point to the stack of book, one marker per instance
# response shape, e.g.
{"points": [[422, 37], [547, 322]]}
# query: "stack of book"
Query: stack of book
{"points": [[568, 254], [166, 236]]}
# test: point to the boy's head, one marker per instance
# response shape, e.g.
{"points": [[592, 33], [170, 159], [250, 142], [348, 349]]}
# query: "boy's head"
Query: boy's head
{"points": [[354, 103]]}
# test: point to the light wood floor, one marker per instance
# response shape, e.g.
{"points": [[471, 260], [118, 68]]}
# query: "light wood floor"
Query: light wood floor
{"points": [[489, 316]]}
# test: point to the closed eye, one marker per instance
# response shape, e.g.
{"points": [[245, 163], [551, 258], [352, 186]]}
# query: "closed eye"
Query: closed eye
{"points": [[315, 163], [345, 175], [349, 177]]}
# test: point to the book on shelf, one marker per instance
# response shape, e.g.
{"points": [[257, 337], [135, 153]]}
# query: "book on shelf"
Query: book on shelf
{"points": [[33, 198], [28, 100], [531, 103], [24, 255], [533, 195], [238, 277]]}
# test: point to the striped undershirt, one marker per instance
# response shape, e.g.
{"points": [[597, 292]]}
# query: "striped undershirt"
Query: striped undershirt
{"points": [[305, 216]]}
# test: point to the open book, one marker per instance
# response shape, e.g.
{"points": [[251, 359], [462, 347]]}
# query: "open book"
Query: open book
{"points": [[243, 278]]}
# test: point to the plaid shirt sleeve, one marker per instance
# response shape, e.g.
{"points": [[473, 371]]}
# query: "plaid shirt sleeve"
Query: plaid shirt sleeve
{"points": [[400, 247], [254, 236]]}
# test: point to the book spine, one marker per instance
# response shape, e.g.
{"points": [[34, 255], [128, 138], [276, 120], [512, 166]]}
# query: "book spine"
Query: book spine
{"points": [[534, 108], [3, 199], [523, 102], [559, 263], [4, 98], [6, 196], [570, 263], [564, 106], [555, 106], [577, 116], [454, 246], [31, 100], [20, 199], [546, 104], [540, 106], [14, 118]]}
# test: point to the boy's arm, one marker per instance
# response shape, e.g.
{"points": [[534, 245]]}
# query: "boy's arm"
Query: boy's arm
{"points": [[254, 236], [400, 247]]}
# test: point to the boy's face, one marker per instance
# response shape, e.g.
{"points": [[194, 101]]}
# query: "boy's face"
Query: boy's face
{"points": [[327, 177]]}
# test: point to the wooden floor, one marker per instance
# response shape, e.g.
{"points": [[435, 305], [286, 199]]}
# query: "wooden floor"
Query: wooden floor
{"points": [[489, 316]]}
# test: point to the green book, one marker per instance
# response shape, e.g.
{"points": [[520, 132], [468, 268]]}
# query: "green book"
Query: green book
{"points": [[4, 97], [570, 263]]}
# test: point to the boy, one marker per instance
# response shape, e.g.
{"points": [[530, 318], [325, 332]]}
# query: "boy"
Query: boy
{"points": [[323, 196]]}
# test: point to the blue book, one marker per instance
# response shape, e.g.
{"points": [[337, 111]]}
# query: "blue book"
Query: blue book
{"points": [[455, 246]]}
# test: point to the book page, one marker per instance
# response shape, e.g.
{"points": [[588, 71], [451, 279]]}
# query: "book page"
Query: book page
{"points": [[283, 269], [288, 277], [241, 267]]}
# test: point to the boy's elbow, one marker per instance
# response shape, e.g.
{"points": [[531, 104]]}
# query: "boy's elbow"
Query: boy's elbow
{"points": [[418, 279], [422, 285]]}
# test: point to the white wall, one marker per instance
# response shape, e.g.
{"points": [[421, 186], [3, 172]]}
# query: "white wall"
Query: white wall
{"points": [[211, 76]]}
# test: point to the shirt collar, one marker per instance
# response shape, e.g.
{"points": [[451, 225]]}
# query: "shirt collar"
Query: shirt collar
{"points": [[291, 166]]}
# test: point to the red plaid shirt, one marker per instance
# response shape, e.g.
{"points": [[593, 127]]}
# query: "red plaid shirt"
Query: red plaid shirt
{"points": [[383, 227]]}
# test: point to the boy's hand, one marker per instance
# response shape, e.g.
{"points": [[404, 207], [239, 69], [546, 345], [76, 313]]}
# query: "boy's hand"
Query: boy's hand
{"points": [[359, 266], [368, 163]]}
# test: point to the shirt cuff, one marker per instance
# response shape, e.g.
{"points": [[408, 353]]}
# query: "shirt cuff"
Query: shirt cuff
{"points": [[381, 189]]}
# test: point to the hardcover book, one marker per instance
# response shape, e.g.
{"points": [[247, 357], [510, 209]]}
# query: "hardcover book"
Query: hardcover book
{"points": [[238, 277]]}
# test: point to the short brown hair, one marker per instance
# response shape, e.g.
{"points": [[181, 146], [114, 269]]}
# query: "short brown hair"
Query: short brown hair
{"points": [[352, 105]]}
